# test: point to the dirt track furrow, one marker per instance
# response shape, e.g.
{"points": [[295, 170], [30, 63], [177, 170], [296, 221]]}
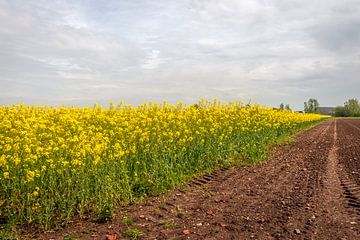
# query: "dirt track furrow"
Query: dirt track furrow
{"points": [[332, 208], [308, 189]]}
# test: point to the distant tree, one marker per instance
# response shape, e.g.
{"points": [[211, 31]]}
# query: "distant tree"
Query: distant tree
{"points": [[311, 106], [306, 107], [287, 107], [339, 111], [351, 108], [281, 106]]}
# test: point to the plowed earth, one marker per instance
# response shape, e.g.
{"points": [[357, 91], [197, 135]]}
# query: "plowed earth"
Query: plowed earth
{"points": [[308, 189]]}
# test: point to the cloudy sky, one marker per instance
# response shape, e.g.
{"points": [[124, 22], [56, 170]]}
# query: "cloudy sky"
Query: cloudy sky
{"points": [[268, 51]]}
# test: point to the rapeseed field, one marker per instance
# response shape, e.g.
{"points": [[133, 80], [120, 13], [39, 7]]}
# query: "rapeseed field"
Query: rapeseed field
{"points": [[57, 163]]}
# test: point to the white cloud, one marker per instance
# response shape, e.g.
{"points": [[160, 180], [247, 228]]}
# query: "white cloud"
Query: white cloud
{"points": [[271, 51], [152, 60]]}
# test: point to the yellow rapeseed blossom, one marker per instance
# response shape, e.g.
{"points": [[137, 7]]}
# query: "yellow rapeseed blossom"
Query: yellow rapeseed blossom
{"points": [[75, 157], [35, 193]]}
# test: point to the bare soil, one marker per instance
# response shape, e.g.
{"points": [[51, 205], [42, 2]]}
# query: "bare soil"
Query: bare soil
{"points": [[308, 189]]}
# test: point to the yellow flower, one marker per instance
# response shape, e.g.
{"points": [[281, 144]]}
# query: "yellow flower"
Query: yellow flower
{"points": [[17, 161], [53, 146], [30, 176]]}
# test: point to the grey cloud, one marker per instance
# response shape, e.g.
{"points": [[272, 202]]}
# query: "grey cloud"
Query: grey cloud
{"points": [[340, 35], [79, 52]]}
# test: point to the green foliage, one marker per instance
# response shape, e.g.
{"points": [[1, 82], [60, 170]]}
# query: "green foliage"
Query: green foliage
{"points": [[281, 106], [179, 212], [351, 108], [170, 224], [106, 213], [133, 233], [8, 233], [340, 111], [311, 106], [69, 237], [287, 107], [77, 162], [127, 221]]}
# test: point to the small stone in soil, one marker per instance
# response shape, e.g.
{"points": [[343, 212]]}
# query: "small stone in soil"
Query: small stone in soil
{"points": [[186, 231], [110, 237], [261, 219], [79, 225]]}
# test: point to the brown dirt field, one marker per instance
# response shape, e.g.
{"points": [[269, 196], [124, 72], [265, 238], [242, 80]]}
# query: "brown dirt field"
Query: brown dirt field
{"points": [[308, 189]]}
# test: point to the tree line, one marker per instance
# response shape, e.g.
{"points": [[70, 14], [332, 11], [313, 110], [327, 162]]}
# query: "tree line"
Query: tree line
{"points": [[285, 107], [351, 108], [311, 106]]}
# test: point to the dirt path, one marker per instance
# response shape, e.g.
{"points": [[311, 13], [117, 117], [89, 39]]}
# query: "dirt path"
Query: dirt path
{"points": [[309, 189]]}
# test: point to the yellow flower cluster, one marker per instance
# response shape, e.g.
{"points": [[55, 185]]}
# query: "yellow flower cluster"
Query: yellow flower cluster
{"points": [[75, 158]]}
